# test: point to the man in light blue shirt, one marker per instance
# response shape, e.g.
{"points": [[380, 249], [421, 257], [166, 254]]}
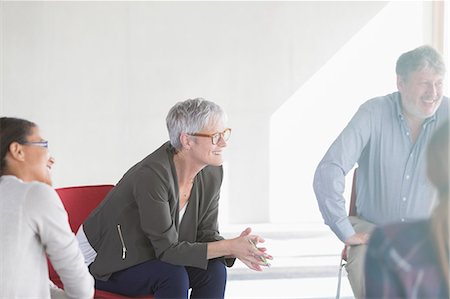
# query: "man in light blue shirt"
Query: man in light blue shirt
{"points": [[387, 138]]}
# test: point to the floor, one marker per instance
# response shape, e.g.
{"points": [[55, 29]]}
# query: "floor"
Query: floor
{"points": [[305, 265]]}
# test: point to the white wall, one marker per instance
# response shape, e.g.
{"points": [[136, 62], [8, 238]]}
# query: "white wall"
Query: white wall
{"points": [[99, 78]]}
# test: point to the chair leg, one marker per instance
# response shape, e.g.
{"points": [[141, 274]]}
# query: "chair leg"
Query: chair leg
{"points": [[338, 291]]}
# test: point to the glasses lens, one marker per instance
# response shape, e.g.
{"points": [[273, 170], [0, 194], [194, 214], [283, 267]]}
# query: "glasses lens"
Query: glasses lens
{"points": [[226, 134], [215, 138], [43, 144]]}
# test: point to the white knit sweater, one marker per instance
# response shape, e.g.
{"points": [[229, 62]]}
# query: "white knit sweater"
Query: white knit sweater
{"points": [[33, 222]]}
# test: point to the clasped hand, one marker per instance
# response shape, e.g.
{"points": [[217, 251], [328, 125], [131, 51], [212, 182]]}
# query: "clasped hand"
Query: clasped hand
{"points": [[244, 248]]}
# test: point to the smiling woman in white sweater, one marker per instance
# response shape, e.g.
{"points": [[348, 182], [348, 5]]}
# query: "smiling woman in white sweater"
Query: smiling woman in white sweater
{"points": [[33, 221]]}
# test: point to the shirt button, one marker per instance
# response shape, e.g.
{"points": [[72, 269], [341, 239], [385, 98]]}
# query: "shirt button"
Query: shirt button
{"points": [[411, 154], [404, 198], [402, 220], [407, 177], [407, 133]]}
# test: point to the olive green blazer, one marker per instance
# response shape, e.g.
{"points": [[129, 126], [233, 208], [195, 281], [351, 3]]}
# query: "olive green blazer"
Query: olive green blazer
{"points": [[138, 220]]}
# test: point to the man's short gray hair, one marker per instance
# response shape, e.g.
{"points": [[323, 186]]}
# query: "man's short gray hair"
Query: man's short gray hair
{"points": [[192, 116], [418, 59]]}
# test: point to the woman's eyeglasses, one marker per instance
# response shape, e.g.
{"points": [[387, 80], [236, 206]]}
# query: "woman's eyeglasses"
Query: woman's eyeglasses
{"points": [[215, 137], [37, 143]]}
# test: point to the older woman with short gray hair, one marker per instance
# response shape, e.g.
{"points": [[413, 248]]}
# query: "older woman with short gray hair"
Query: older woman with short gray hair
{"points": [[156, 233]]}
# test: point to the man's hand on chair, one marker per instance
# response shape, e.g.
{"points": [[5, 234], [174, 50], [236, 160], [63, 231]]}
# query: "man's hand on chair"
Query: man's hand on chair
{"points": [[358, 239]]}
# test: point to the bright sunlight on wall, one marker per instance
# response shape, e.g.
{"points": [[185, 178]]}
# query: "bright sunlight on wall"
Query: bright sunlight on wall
{"points": [[308, 122]]}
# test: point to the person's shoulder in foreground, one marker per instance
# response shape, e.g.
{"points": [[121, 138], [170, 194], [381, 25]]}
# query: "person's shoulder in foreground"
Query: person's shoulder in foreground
{"points": [[411, 260], [401, 263]]}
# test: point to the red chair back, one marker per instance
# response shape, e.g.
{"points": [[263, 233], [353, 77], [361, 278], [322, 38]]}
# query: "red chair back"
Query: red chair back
{"points": [[79, 202]]}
